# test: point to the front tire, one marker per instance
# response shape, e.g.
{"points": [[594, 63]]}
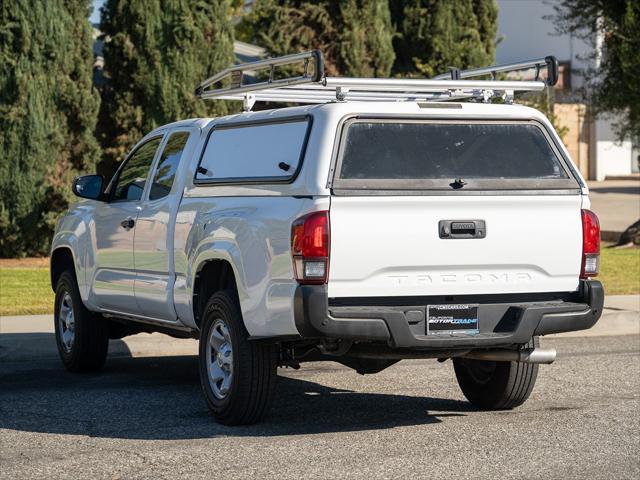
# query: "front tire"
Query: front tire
{"points": [[82, 336], [238, 375], [496, 385]]}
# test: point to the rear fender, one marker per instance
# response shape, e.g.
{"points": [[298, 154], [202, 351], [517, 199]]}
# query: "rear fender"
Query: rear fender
{"points": [[206, 252]]}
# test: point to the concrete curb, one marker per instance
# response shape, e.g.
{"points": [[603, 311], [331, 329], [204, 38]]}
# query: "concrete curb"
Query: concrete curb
{"points": [[31, 337], [631, 176], [41, 346], [621, 316], [611, 323]]}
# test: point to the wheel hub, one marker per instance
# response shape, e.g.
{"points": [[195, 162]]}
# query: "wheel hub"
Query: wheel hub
{"points": [[66, 322], [220, 359]]}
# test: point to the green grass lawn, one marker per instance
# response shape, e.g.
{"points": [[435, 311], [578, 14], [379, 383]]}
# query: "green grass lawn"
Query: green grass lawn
{"points": [[620, 270], [25, 290], [24, 284]]}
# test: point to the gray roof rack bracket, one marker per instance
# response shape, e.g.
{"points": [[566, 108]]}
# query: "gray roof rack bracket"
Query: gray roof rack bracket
{"points": [[248, 102]]}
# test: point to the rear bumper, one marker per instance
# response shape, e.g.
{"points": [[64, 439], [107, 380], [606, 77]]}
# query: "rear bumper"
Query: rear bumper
{"points": [[503, 321]]}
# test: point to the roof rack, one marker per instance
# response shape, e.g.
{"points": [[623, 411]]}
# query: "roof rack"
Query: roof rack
{"points": [[312, 86]]}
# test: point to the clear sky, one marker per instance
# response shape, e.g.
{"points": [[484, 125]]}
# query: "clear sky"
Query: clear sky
{"points": [[95, 16]]}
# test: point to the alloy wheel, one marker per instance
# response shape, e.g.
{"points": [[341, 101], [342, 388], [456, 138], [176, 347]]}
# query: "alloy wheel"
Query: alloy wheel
{"points": [[220, 359]]}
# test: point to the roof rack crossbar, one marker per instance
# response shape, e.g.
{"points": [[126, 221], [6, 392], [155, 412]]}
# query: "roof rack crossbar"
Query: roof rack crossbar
{"points": [[419, 85], [550, 63], [313, 87]]}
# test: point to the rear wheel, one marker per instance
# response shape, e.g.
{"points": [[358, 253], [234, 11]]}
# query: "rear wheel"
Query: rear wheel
{"points": [[496, 385], [82, 336], [238, 376]]}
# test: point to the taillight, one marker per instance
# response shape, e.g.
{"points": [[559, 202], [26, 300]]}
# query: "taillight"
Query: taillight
{"points": [[310, 248], [590, 244]]}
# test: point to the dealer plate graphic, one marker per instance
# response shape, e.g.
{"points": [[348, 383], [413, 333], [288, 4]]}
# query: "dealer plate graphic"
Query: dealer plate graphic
{"points": [[452, 319]]}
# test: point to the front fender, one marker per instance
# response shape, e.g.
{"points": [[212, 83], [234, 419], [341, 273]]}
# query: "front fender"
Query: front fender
{"points": [[69, 234]]}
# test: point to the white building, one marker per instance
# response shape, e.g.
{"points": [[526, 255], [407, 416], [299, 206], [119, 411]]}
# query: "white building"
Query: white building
{"points": [[525, 31]]}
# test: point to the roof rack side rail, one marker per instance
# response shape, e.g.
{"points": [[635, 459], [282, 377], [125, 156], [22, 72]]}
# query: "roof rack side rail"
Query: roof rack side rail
{"points": [[236, 75], [550, 63], [311, 86]]}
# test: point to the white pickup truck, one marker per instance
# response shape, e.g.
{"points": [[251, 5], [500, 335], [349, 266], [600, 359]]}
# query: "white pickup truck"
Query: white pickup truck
{"points": [[383, 225]]}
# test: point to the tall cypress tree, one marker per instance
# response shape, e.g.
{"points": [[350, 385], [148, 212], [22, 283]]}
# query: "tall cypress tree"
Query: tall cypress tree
{"points": [[355, 36], [48, 110], [435, 34], [156, 52]]}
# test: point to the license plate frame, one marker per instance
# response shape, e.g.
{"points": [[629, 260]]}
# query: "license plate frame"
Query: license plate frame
{"points": [[447, 319]]}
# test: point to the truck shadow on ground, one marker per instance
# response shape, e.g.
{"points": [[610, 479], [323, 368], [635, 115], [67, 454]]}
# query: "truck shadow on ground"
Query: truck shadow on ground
{"points": [[159, 398]]}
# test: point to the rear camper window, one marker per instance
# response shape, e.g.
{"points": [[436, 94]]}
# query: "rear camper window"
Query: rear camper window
{"points": [[258, 152], [417, 154]]}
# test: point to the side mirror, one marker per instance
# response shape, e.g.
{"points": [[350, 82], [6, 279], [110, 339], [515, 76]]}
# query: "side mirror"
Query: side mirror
{"points": [[88, 186]]}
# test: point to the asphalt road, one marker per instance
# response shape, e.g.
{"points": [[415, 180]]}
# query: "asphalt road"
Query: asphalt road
{"points": [[145, 418], [617, 203]]}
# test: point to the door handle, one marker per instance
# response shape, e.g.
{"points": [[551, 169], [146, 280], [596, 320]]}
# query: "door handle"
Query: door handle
{"points": [[128, 223]]}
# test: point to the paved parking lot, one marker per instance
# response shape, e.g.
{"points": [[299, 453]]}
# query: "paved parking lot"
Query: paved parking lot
{"points": [[617, 203], [145, 418]]}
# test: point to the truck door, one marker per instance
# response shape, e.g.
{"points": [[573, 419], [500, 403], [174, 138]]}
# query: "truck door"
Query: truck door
{"points": [[153, 243], [115, 221]]}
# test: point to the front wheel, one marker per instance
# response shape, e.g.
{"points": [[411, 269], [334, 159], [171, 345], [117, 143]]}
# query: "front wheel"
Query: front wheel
{"points": [[496, 385], [82, 336], [238, 375]]}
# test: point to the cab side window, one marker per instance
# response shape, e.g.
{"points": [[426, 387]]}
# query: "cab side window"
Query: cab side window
{"points": [[167, 165], [267, 152], [132, 178]]}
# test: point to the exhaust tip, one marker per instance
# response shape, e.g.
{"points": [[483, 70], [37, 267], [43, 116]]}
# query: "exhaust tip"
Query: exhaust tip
{"points": [[529, 355], [538, 355]]}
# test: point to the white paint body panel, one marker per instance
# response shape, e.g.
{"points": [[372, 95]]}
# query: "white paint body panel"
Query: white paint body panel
{"points": [[154, 240], [253, 235], [390, 246], [152, 260], [112, 285]]}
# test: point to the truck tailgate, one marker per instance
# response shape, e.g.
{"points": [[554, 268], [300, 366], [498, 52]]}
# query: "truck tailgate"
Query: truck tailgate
{"points": [[391, 245]]}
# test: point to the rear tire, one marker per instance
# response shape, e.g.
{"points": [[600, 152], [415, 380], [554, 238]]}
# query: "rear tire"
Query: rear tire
{"points": [[496, 385], [82, 336], [238, 375]]}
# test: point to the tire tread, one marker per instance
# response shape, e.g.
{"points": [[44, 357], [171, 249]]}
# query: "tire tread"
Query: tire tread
{"points": [[510, 386], [252, 391], [91, 341]]}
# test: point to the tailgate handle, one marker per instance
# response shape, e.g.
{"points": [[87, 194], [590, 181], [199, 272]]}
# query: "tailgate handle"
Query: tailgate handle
{"points": [[462, 229]]}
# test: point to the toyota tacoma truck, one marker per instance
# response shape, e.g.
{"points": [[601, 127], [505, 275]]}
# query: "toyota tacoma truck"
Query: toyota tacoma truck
{"points": [[382, 219]]}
